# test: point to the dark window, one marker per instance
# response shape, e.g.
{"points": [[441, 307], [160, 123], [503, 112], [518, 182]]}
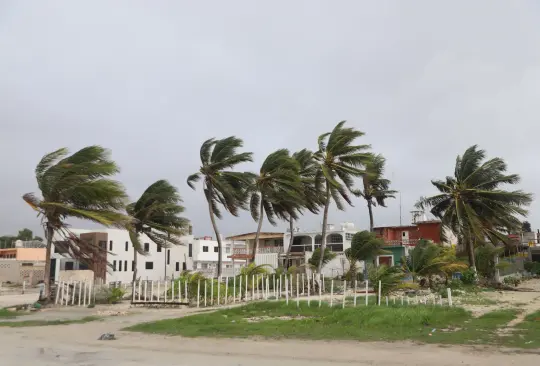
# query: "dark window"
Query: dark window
{"points": [[119, 266], [127, 246], [184, 267], [149, 265], [216, 249], [114, 265], [132, 266], [125, 266], [69, 266], [168, 256], [190, 250], [177, 266], [110, 246], [146, 247], [205, 249], [103, 245], [159, 248]]}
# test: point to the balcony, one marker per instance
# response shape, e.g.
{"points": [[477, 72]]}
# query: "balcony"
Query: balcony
{"points": [[401, 242], [246, 253]]}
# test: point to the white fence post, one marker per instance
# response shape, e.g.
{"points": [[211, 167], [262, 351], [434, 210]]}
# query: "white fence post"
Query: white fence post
{"points": [[332, 293], [355, 288], [286, 290], [449, 293], [320, 290], [198, 291], [367, 297], [80, 292], [226, 289], [234, 289], [344, 292], [240, 292], [379, 300], [205, 292], [212, 292], [158, 289], [186, 290]]}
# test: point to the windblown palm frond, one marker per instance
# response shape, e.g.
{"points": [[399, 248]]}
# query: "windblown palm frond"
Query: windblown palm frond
{"points": [[472, 203], [365, 246], [340, 161], [79, 186], [223, 187]]}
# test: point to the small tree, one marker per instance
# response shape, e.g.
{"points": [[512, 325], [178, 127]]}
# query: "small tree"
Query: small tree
{"points": [[365, 246], [391, 278], [526, 227], [316, 258]]}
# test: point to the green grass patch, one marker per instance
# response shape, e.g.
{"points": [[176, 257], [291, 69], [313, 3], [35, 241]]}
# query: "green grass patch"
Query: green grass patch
{"points": [[41, 323], [6, 314], [526, 334], [371, 323]]}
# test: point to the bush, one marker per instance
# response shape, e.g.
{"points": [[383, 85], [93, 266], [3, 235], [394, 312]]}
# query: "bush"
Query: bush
{"points": [[512, 281], [109, 295], [532, 267], [468, 277]]}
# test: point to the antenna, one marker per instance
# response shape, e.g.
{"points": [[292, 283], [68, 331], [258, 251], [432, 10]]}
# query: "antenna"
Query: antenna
{"points": [[399, 208]]}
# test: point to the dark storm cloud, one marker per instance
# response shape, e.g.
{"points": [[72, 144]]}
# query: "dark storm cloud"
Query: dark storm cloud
{"points": [[152, 80]]}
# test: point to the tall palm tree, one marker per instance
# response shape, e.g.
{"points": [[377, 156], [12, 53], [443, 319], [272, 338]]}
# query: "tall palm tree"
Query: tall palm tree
{"points": [[156, 214], [472, 203], [221, 185], [340, 161], [312, 193], [276, 191], [364, 246], [376, 187], [76, 186]]}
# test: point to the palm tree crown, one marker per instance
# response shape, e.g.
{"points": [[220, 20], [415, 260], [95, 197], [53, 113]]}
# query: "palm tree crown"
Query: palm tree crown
{"points": [[77, 186], [222, 186], [472, 203], [276, 191], [340, 161], [376, 187], [156, 214]]}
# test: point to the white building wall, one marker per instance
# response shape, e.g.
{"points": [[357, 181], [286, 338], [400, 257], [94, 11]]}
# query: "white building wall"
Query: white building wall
{"points": [[271, 259]]}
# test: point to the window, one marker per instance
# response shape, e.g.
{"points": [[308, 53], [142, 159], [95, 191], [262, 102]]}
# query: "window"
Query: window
{"points": [[404, 233], [69, 266], [216, 249], [132, 266], [348, 236], [149, 265], [127, 246], [228, 266], [114, 266], [146, 247], [334, 239], [103, 245], [177, 266], [125, 266], [318, 239], [228, 250], [204, 265], [278, 242], [119, 266], [190, 250], [205, 249], [168, 256], [184, 266], [159, 248], [110, 246]]}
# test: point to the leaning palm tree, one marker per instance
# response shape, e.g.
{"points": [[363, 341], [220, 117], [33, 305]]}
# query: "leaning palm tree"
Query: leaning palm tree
{"points": [[312, 193], [276, 191], [340, 161], [221, 185], [472, 203], [76, 186], [156, 214], [376, 187], [365, 246]]}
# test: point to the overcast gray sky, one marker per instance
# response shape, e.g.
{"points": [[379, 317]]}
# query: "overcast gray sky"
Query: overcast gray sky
{"points": [[151, 80]]}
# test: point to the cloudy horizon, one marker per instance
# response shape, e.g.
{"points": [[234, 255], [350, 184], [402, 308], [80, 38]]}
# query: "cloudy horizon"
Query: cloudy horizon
{"points": [[152, 80]]}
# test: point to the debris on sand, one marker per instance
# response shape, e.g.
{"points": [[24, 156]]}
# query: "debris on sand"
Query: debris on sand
{"points": [[107, 337]]}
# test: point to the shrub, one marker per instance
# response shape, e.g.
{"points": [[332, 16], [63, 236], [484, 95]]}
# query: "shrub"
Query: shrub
{"points": [[532, 267], [468, 277], [512, 281], [109, 295]]}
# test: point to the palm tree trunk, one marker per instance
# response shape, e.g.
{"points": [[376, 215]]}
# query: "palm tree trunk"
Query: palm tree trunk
{"points": [[256, 243], [325, 223], [49, 233], [291, 229], [218, 237], [370, 210], [134, 267], [470, 252]]}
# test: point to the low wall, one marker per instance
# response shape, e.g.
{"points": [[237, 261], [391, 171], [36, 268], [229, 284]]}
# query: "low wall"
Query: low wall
{"points": [[18, 271], [83, 275]]}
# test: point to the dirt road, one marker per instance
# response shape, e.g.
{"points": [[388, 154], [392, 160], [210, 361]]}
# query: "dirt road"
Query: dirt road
{"points": [[77, 345]]}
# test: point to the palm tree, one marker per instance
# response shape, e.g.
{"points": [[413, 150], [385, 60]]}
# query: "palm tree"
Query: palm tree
{"points": [[316, 258], [391, 279], [364, 246], [221, 185], [276, 191], [76, 186], [156, 214], [312, 194], [472, 203], [376, 187], [339, 162]]}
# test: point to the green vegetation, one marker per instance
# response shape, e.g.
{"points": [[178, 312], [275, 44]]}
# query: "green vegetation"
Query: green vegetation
{"points": [[221, 185], [7, 314], [364, 246], [156, 214], [474, 206], [42, 323], [526, 334], [317, 262]]}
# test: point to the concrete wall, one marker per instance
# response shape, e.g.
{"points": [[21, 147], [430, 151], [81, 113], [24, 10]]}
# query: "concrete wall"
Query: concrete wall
{"points": [[271, 259], [18, 271], [76, 275]]}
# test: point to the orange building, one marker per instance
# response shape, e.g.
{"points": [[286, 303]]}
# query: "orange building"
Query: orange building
{"points": [[23, 254], [410, 234]]}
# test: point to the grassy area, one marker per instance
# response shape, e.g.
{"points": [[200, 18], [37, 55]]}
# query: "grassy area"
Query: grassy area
{"points": [[526, 334], [6, 314], [41, 323], [370, 323]]}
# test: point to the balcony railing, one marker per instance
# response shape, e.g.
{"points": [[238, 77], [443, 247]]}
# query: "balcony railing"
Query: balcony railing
{"points": [[260, 250], [395, 243]]}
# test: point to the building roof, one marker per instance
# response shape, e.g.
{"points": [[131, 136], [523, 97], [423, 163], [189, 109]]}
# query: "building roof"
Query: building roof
{"points": [[262, 235], [410, 225]]}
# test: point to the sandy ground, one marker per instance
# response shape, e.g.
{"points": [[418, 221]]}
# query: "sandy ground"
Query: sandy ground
{"points": [[77, 345]]}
